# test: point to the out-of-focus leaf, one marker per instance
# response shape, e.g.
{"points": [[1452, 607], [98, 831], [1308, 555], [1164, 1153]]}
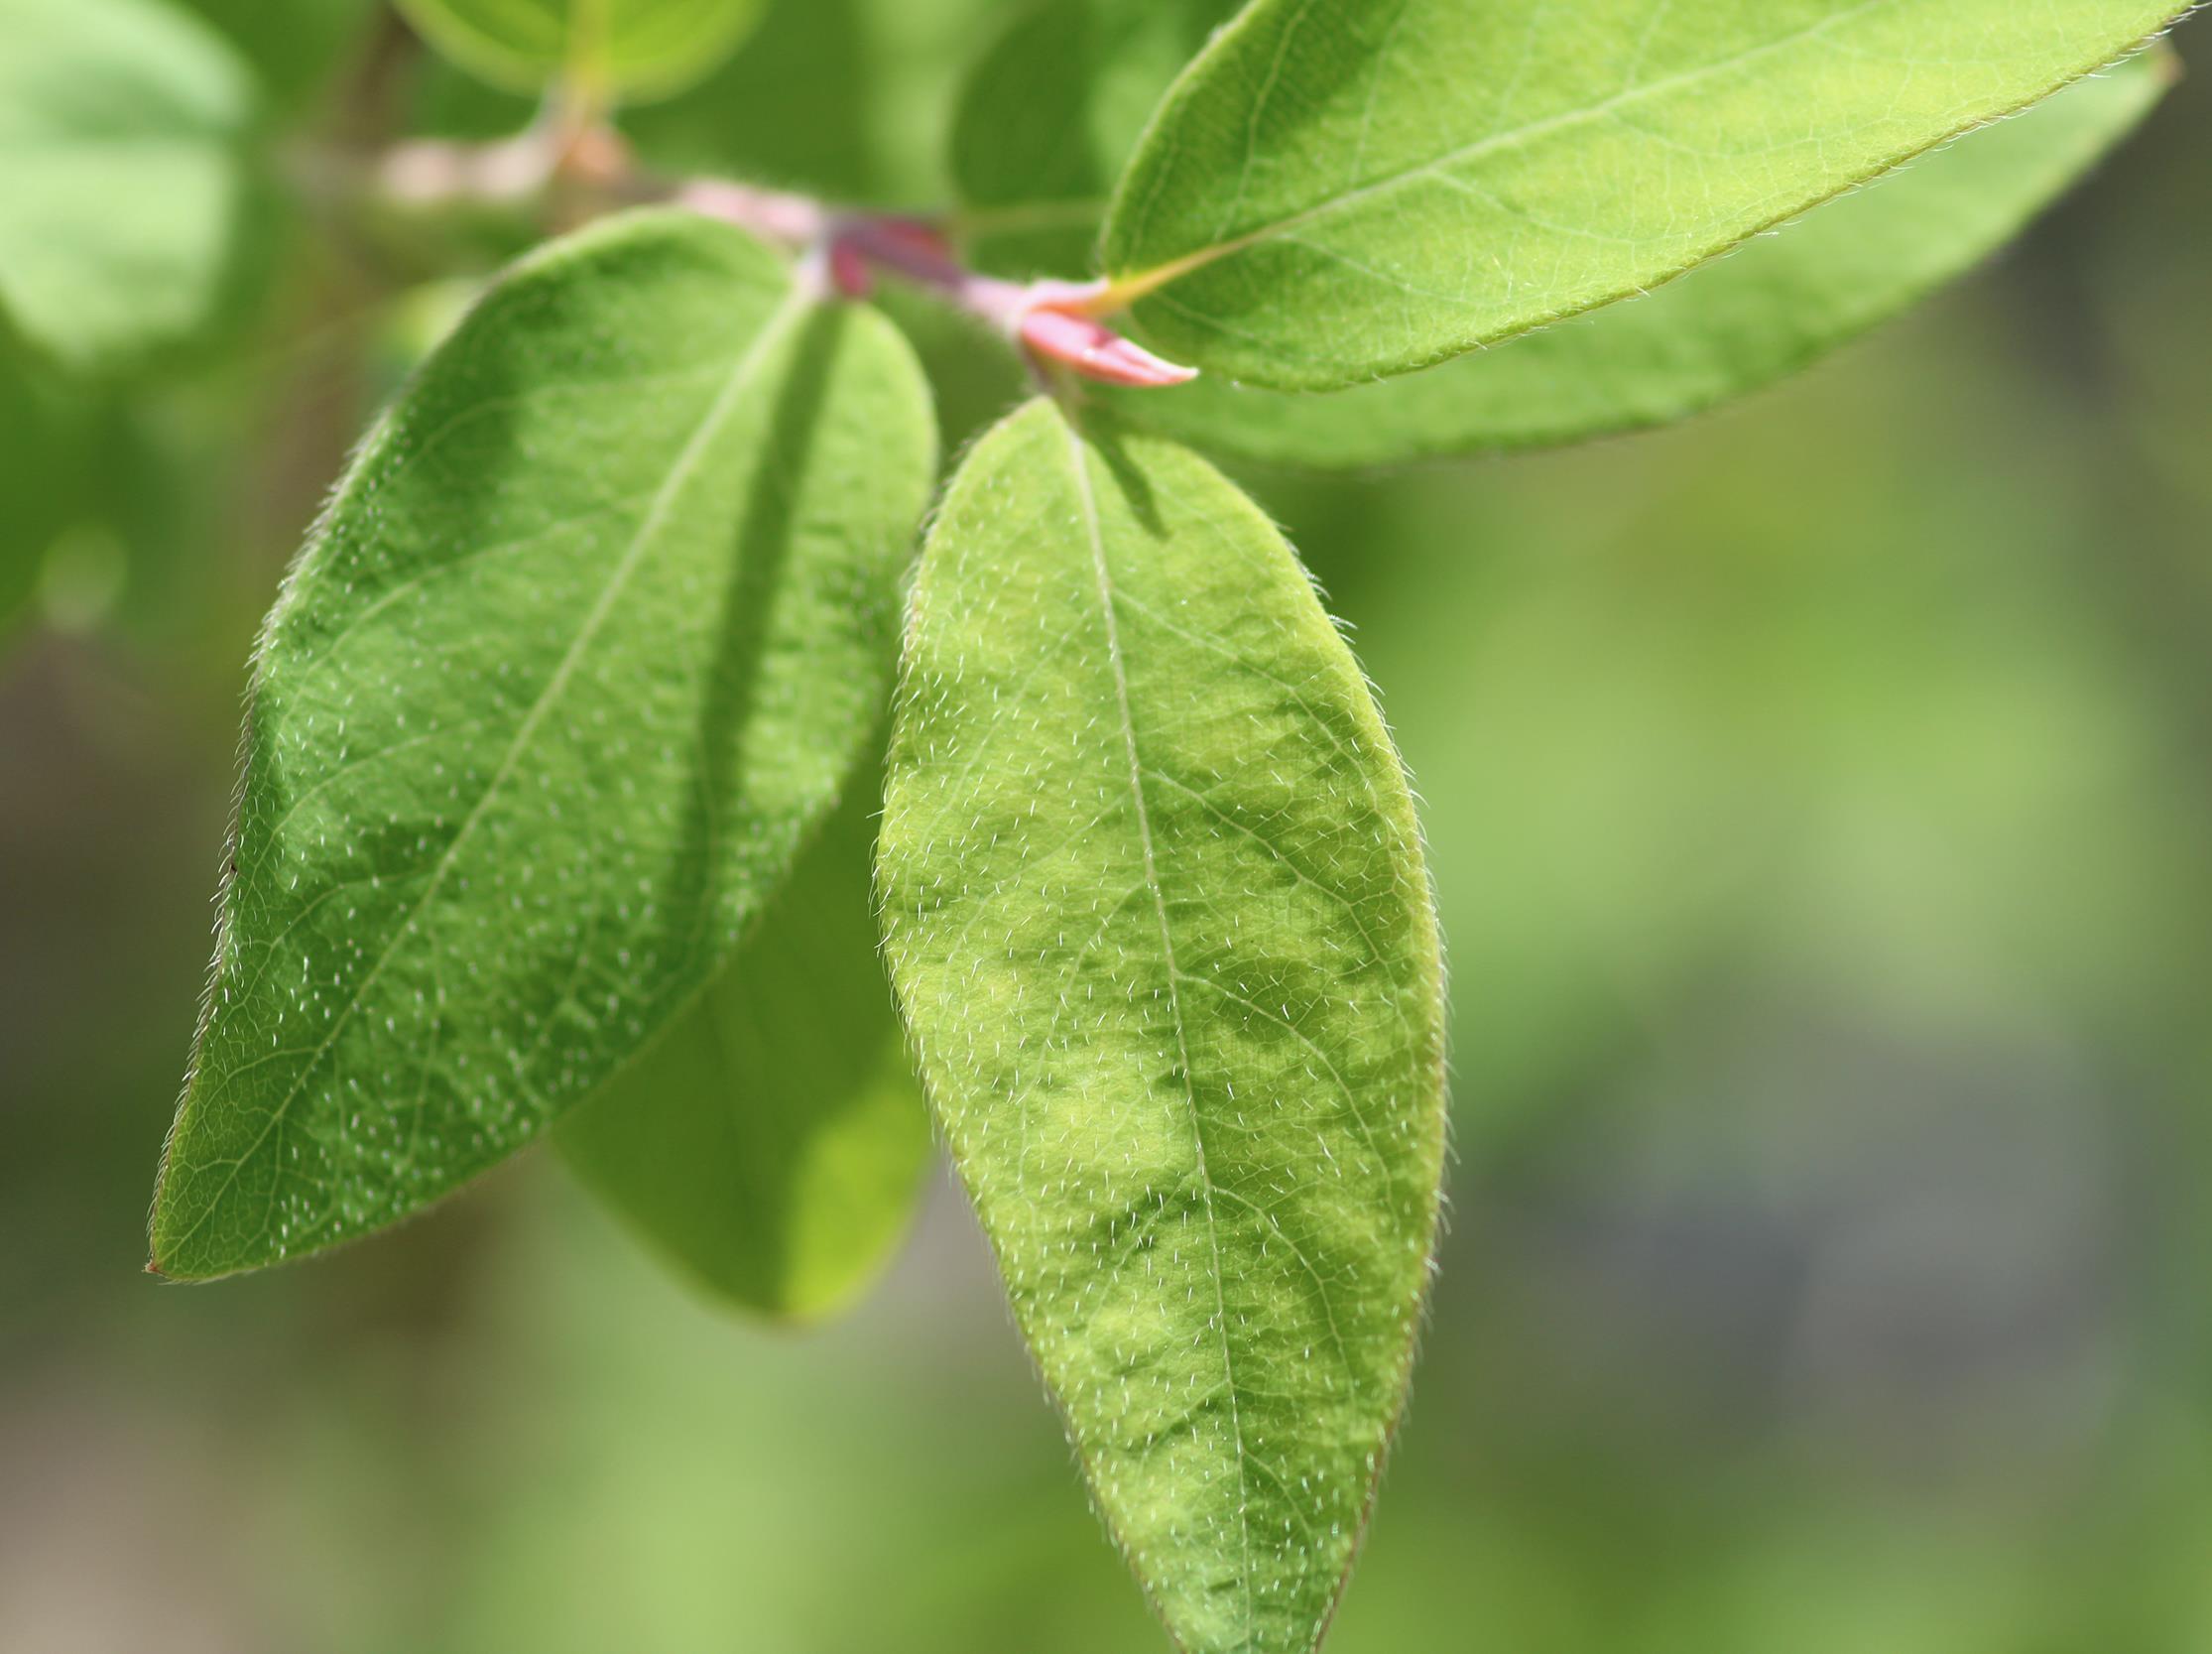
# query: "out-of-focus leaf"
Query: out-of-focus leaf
{"points": [[1048, 116], [1155, 906], [589, 640], [769, 1144], [631, 47], [1339, 190], [845, 98], [294, 45], [122, 179]]}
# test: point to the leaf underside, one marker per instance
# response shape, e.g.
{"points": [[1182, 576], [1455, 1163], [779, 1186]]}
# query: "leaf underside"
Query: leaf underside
{"points": [[594, 630], [1339, 190], [121, 126], [769, 1144], [1155, 906]]}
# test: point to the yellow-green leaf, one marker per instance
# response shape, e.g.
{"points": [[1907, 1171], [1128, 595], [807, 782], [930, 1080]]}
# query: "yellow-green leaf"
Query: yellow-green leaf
{"points": [[1155, 906], [1734, 324], [1338, 190]]}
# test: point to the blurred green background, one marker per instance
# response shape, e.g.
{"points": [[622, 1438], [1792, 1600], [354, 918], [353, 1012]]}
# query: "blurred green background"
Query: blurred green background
{"points": [[1821, 797]]}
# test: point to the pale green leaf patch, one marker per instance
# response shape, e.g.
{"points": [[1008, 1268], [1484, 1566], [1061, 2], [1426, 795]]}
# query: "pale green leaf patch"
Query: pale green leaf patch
{"points": [[630, 47], [1155, 910], [1340, 189], [122, 174], [594, 633], [769, 1144]]}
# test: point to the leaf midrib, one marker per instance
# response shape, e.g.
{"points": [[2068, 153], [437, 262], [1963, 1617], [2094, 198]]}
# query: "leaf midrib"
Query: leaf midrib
{"points": [[1088, 502], [688, 459], [1127, 290]]}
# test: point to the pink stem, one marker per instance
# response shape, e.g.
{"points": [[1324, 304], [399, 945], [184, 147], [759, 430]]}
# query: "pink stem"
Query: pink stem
{"points": [[1051, 321]]}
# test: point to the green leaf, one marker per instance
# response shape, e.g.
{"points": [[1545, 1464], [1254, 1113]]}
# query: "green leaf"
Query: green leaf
{"points": [[294, 45], [1154, 907], [769, 1144], [121, 126], [1736, 325], [1050, 113], [844, 98], [593, 631], [632, 46], [1338, 190]]}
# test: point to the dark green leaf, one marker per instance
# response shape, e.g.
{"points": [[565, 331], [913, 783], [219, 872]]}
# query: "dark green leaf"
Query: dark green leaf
{"points": [[845, 98], [591, 636], [1048, 115], [294, 45], [1155, 906]]}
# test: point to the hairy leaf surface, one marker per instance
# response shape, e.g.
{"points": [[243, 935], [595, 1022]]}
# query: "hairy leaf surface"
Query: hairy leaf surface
{"points": [[593, 632], [1339, 190], [121, 174], [626, 46], [1737, 323], [1155, 906], [769, 1144]]}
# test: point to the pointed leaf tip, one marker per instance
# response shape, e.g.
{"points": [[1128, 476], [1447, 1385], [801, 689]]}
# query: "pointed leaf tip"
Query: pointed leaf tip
{"points": [[471, 883]]}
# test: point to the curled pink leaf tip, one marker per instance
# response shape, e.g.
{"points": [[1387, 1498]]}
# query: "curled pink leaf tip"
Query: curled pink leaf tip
{"points": [[1096, 351]]}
